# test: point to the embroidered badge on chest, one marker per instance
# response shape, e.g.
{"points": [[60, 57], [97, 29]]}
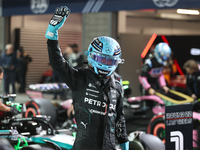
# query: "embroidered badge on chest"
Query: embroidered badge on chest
{"points": [[113, 99]]}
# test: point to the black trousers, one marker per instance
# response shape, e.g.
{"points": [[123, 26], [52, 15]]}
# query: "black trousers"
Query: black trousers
{"points": [[21, 75], [9, 78]]}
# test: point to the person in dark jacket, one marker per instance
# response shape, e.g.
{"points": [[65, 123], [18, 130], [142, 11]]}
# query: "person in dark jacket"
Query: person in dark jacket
{"points": [[151, 77], [3, 107], [70, 55], [23, 60], [97, 96], [192, 78], [21, 70], [79, 55], [8, 62]]}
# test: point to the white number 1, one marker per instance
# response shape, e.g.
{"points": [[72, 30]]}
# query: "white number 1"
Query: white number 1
{"points": [[177, 137]]}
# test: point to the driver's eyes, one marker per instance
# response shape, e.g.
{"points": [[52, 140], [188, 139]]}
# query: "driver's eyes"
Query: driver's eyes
{"points": [[109, 62], [103, 60]]}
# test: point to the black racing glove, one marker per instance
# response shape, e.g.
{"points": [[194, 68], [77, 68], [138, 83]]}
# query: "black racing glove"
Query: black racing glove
{"points": [[14, 110], [56, 22]]}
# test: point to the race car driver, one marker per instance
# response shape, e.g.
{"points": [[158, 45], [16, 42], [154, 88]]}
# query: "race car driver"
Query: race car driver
{"points": [[151, 77], [4, 108], [97, 96]]}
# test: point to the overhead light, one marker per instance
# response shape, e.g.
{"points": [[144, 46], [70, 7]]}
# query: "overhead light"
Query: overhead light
{"points": [[195, 51], [187, 11]]}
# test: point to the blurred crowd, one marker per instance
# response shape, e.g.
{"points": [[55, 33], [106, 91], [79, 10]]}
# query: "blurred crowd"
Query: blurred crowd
{"points": [[15, 67]]}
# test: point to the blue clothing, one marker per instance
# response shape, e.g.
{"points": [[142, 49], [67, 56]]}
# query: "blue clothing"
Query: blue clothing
{"points": [[9, 78], [7, 61]]}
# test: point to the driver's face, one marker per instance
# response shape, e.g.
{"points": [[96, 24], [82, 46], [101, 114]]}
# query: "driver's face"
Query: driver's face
{"points": [[1, 76]]}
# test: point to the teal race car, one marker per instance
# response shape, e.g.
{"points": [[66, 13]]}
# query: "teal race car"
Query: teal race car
{"points": [[22, 132], [33, 132]]}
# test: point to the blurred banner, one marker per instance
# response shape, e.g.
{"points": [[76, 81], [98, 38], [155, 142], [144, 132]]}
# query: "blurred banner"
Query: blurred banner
{"points": [[23, 7]]}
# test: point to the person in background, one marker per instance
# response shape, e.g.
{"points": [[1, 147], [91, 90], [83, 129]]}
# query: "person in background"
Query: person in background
{"points": [[3, 107], [79, 56], [151, 77], [192, 78], [21, 70], [8, 62], [97, 96], [70, 55], [169, 70]]}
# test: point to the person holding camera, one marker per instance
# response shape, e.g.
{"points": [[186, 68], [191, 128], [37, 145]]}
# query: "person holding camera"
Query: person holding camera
{"points": [[22, 68], [8, 62]]}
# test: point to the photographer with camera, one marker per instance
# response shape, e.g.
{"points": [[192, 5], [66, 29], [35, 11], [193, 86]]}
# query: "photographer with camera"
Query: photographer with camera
{"points": [[22, 68], [8, 62]]}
